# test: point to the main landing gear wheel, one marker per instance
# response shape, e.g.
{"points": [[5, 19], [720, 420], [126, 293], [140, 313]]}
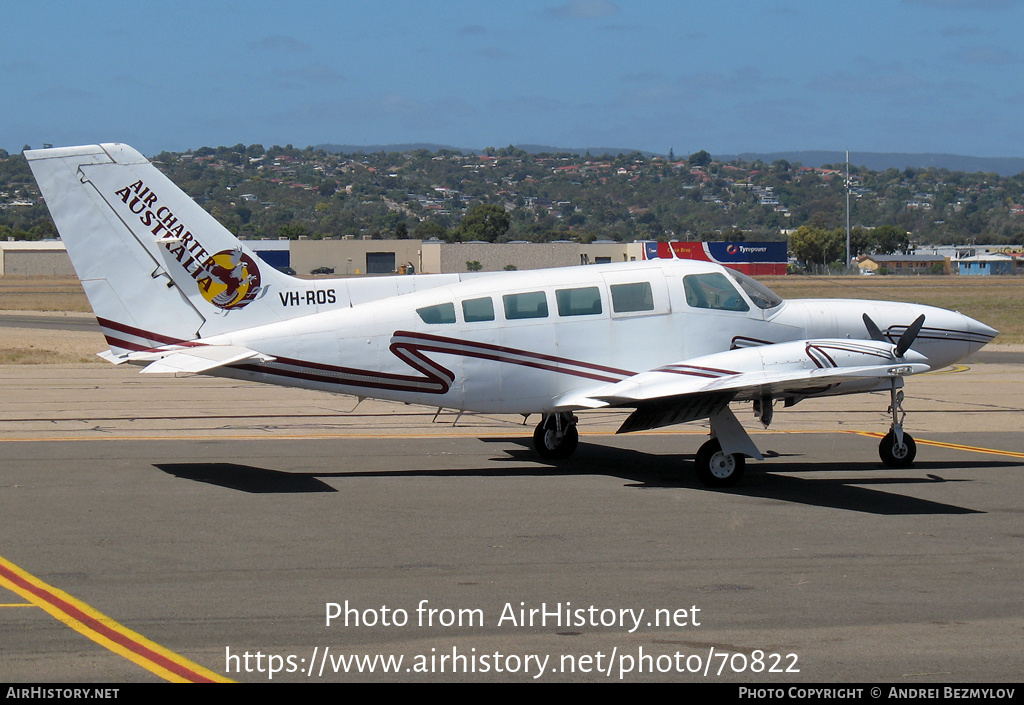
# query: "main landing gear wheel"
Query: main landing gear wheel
{"points": [[556, 437], [895, 455], [718, 469]]}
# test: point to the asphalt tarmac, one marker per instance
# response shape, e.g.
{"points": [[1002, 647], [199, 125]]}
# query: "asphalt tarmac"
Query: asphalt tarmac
{"points": [[222, 523], [52, 321]]}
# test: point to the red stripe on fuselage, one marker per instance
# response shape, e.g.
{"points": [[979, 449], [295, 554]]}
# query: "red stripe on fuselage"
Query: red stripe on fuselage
{"points": [[406, 345]]}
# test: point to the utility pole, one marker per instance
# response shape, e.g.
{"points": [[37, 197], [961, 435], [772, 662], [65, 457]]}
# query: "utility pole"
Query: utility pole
{"points": [[847, 267]]}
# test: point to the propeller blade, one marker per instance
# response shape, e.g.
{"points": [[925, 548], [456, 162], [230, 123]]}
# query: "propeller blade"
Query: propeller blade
{"points": [[907, 339], [873, 330]]}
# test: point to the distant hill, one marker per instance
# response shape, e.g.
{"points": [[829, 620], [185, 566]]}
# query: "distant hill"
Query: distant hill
{"points": [[529, 148], [876, 161], [593, 151], [880, 161], [377, 148]]}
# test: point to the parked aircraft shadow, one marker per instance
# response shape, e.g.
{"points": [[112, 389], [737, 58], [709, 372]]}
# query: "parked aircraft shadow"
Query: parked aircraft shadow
{"points": [[641, 470], [650, 471], [256, 480], [247, 478]]}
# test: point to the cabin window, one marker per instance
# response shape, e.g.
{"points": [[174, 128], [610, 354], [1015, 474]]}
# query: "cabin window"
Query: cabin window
{"points": [[476, 310], [441, 313], [714, 291], [578, 302], [529, 305], [627, 298]]}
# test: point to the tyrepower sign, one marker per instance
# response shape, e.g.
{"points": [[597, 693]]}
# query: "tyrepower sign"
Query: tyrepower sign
{"points": [[754, 258]]}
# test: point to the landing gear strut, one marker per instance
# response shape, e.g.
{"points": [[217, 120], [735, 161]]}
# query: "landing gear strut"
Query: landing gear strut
{"points": [[721, 461], [897, 449], [556, 437]]}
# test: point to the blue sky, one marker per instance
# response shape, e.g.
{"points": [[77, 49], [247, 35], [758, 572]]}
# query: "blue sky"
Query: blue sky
{"points": [[873, 75]]}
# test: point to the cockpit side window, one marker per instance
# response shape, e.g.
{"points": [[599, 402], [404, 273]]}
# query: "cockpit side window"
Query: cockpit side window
{"points": [[713, 290], [762, 296]]}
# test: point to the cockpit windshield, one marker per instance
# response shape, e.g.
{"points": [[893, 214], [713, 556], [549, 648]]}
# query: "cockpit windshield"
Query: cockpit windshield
{"points": [[762, 296]]}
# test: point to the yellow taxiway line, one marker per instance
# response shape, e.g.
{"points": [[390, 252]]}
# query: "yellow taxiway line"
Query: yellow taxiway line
{"points": [[103, 630], [952, 446], [476, 433]]}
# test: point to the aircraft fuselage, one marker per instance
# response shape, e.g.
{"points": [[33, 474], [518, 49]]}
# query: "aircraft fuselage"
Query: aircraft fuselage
{"points": [[520, 342]]}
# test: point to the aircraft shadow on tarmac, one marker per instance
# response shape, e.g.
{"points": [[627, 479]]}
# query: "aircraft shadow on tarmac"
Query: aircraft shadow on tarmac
{"points": [[247, 478], [645, 471], [652, 471]]}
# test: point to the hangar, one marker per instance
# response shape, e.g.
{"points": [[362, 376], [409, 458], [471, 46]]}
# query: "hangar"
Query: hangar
{"points": [[34, 257]]}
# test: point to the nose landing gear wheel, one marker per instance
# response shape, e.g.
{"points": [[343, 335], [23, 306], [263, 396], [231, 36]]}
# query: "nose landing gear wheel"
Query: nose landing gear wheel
{"points": [[718, 469], [895, 455]]}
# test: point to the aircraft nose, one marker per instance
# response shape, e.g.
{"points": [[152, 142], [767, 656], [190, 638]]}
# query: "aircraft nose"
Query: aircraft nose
{"points": [[950, 336], [978, 333]]}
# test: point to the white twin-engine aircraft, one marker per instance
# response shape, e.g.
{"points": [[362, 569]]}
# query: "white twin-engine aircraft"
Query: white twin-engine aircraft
{"points": [[673, 340]]}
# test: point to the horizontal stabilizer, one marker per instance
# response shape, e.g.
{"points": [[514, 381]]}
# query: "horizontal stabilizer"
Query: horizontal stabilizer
{"points": [[198, 359], [111, 356]]}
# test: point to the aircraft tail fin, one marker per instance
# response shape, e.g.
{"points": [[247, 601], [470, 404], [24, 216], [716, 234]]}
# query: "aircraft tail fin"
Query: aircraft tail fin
{"points": [[157, 268]]}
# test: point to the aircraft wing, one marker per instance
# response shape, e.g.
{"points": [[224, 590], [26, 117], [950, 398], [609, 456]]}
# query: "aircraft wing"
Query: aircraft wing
{"points": [[701, 387]]}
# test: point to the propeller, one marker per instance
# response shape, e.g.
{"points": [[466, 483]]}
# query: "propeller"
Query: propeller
{"points": [[873, 329], [905, 341]]}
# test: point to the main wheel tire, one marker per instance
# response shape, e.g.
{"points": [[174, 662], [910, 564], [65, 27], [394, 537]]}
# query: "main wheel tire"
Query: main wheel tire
{"points": [[894, 457], [718, 469], [549, 446]]}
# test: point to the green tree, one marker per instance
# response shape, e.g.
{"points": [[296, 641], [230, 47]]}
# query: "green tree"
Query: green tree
{"points": [[485, 222], [700, 158], [293, 231], [817, 246], [860, 241], [427, 230], [889, 239]]}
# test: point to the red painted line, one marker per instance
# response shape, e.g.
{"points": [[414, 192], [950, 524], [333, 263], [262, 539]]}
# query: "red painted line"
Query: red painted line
{"points": [[101, 628], [437, 380]]}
